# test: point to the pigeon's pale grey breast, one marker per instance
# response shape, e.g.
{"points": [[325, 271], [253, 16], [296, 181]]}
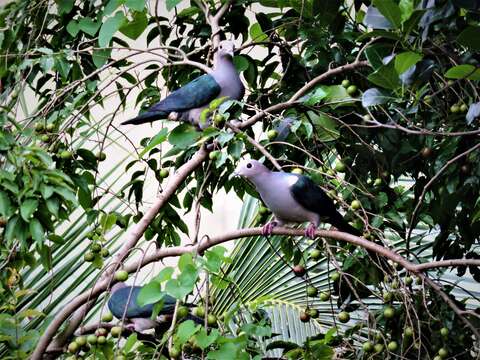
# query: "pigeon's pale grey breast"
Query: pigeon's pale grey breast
{"points": [[274, 189], [230, 84]]}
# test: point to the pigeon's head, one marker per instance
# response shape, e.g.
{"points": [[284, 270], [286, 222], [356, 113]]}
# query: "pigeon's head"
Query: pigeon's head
{"points": [[226, 48], [250, 169]]}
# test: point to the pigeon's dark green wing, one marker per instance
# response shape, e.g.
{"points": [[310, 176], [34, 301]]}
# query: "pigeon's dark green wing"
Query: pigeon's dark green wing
{"points": [[118, 301], [313, 198], [196, 93]]}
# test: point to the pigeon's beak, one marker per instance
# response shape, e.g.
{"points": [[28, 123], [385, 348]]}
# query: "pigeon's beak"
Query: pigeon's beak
{"points": [[237, 172]]}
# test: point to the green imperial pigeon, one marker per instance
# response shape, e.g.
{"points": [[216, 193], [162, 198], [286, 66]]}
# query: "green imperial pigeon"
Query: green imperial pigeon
{"points": [[292, 198], [188, 102], [138, 318]]}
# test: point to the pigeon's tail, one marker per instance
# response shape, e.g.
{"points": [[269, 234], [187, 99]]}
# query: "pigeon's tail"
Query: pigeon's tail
{"points": [[146, 117], [341, 224]]}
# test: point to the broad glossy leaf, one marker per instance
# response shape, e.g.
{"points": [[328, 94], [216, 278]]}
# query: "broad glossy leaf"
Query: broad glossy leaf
{"points": [[27, 208], [172, 3], [6, 208], [375, 96], [385, 76], [465, 71], [470, 37], [186, 330], [241, 63], [137, 5], [390, 10], [203, 340], [109, 28], [133, 29], [150, 293], [406, 60], [88, 26], [183, 135], [37, 231], [155, 141], [375, 19]]}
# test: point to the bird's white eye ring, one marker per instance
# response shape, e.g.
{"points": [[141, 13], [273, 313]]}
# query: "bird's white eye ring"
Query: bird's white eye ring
{"points": [[249, 165]]}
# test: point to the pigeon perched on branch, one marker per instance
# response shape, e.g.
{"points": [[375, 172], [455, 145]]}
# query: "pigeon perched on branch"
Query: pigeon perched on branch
{"points": [[292, 198], [188, 102], [138, 318]]}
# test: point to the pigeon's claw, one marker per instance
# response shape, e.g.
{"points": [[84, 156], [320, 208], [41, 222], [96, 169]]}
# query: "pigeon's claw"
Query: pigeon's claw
{"points": [[130, 327], [310, 231], [268, 228]]}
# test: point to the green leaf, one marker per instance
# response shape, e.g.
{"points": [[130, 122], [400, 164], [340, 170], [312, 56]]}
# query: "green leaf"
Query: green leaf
{"points": [[374, 96], [406, 9], [203, 340], [183, 136], [172, 3], [131, 340], [465, 71], [390, 10], [73, 28], [186, 330], [66, 194], [111, 6], [224, 352], [5, 205], [64, 6], [133, 29], [101, 56], [315, 96], [89, 26], [376, 53], [62, 66], [183, 285], [137, 5], [28, 207], [150, 293], [164, 275], [37, 231], [386, 76], [326, 128], [240, 62], [109, 28], [406, 60], [256, 33], [155, 141], [107, 221], [185, 260], [470, 37]]}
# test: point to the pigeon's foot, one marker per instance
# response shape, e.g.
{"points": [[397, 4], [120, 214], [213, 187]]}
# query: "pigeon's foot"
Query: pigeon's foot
{"points": [[268, 228], [130, 327], [310, 231]]}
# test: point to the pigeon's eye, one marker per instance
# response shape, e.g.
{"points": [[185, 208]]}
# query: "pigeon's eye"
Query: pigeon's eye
{"points": [[249, 165]]}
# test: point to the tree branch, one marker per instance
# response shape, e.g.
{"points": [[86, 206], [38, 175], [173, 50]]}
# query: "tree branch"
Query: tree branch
{"points": [[232, 235], [302, 91]]}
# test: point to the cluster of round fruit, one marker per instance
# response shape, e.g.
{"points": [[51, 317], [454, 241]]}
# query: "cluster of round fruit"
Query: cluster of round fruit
{"points": [[312, 291], [200, 312], [45, 130], [95, 248], [351, 89], [459, 108], [86, 343]]}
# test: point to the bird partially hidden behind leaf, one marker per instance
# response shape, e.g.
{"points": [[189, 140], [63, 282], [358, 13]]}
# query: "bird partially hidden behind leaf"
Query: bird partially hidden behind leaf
{"points": [[292, 198], [189, 101], [138, 318]]}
